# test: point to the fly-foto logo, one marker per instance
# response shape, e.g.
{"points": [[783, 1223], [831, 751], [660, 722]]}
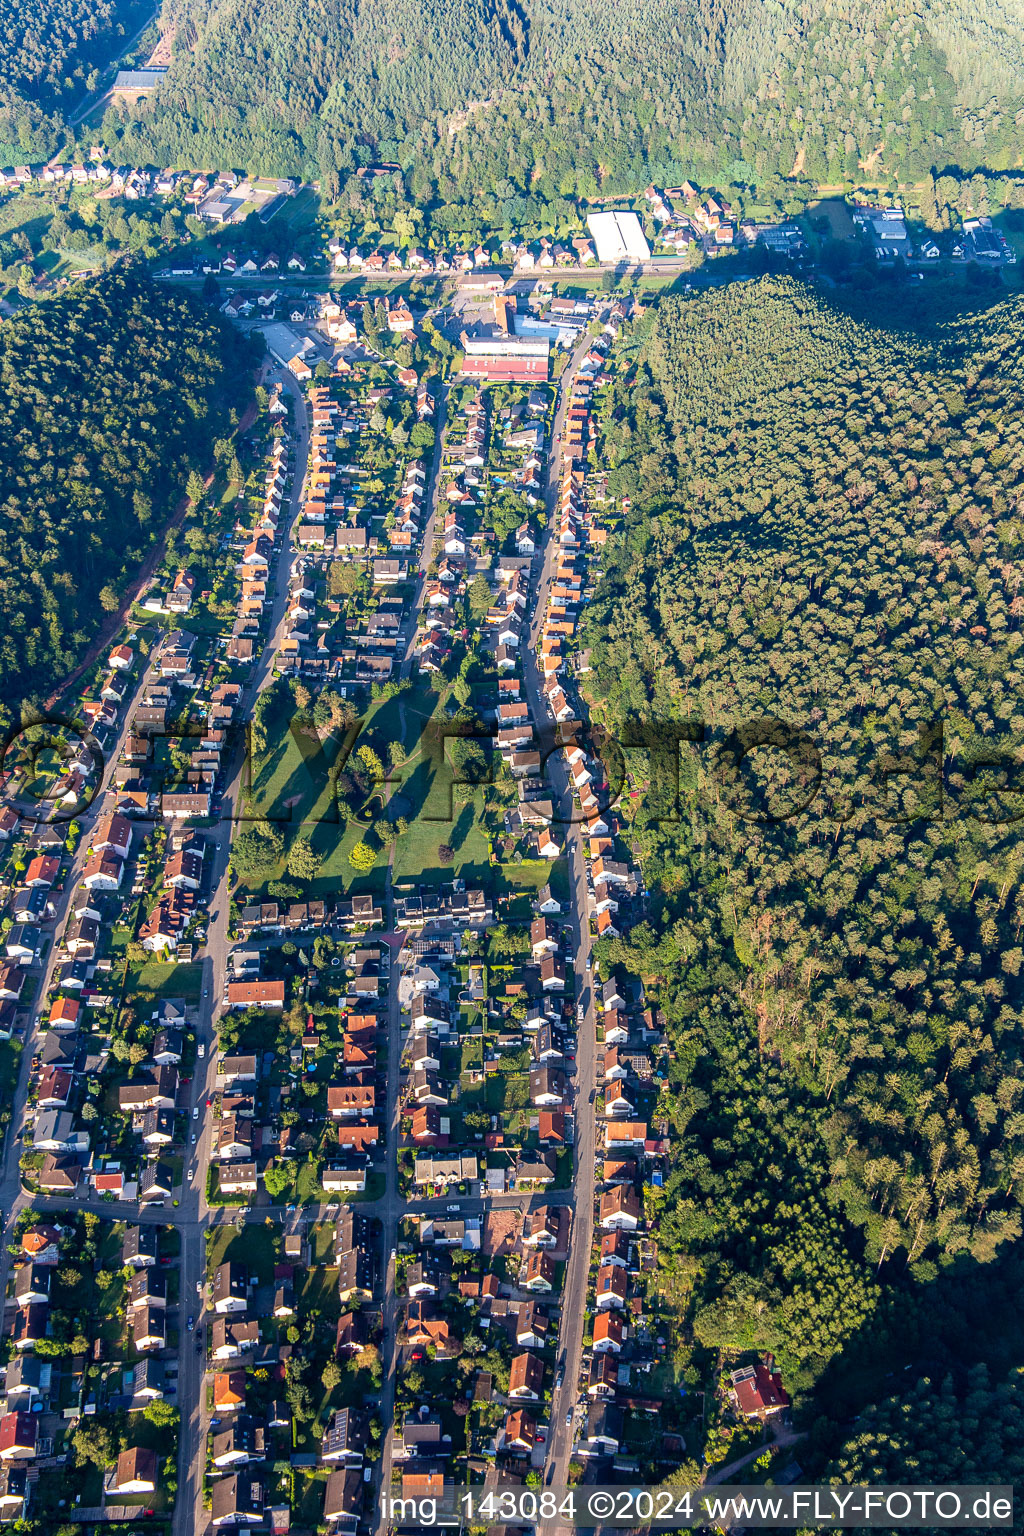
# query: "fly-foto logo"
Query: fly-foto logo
{"points": [[51, 770], [765, 771]]}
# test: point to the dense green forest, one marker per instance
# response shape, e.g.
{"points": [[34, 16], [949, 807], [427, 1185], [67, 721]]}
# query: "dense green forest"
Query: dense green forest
{"points": [[111, 393], [821, 563], [521, 103], [49, 57], [937, 1434]]}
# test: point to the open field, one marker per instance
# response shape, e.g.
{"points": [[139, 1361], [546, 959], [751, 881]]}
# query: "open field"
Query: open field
{"points": [[166, 980]]}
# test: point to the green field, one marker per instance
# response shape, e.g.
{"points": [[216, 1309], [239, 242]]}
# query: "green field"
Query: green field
{"points": [[252, 1245], [28, 212], [298, 214], [292, 786], [166, 980], [836, 212]]}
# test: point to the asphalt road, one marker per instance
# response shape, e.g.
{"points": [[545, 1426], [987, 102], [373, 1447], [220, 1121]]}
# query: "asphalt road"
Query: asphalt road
{"points": [[581, 1196], [194, 1215], [11, 1197], [570, 1337], [391, 1208]]}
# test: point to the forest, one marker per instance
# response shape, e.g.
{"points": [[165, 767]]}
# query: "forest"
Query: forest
{"points": [[50, 56], [520, 104], [820, 567], [112, 392]]}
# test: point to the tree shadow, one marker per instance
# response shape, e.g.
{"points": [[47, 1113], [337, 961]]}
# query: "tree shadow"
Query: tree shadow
{"points": [[461, 828], [416, 790], [968, 1315]]}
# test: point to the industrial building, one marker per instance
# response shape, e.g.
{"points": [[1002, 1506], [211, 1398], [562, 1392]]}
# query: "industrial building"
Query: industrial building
{"points": [[506, 359], [618, 236]]}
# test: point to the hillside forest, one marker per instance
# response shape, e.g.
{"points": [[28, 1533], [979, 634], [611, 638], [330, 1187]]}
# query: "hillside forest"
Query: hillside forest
{"points": [[524, 103], [50, 57], [110, 394], [820, 566]]}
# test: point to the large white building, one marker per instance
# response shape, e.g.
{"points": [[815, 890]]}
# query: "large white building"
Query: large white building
{"points": [[618, 236], [508, 359]]}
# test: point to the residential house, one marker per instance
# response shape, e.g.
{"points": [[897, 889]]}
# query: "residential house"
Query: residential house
{"points": [[239, 1500], [135, 1472], [526, 1378]]}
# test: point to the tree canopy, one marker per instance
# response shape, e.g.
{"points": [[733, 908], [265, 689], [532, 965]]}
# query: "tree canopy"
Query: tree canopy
{"points": [[48, 56], [110, 393], [820, 563], [517, 105]]}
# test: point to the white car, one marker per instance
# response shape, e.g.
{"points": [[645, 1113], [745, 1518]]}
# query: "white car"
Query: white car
{"points": [[195, 1112], [201, 1050]]}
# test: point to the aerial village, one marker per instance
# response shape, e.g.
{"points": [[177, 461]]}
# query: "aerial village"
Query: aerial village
{"points": [[323, 1116]]}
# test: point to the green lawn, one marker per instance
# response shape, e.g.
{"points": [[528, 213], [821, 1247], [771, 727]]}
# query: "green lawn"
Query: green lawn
{"points": [[252, 1245], [336, 871], [297, 214], [661, 282], [27, 211], [166, 980], [416, 856], [531, 874], [290, 780], [322, 1242], [308, 1499], [318, 1289], [836, 212], [292, 786], [1011, 224]]}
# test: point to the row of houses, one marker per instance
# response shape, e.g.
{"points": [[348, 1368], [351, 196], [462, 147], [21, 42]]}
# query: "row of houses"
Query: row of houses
{"points": [[38, 1383], [545, 253], [345, 1124], [342, 520], [248, 1428], [260, 532]]}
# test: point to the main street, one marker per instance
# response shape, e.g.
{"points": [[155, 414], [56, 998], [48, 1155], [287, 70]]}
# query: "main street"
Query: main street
{"points": [[391, 1207], [194, 1215], [574, 1288], [581, 1197]]}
